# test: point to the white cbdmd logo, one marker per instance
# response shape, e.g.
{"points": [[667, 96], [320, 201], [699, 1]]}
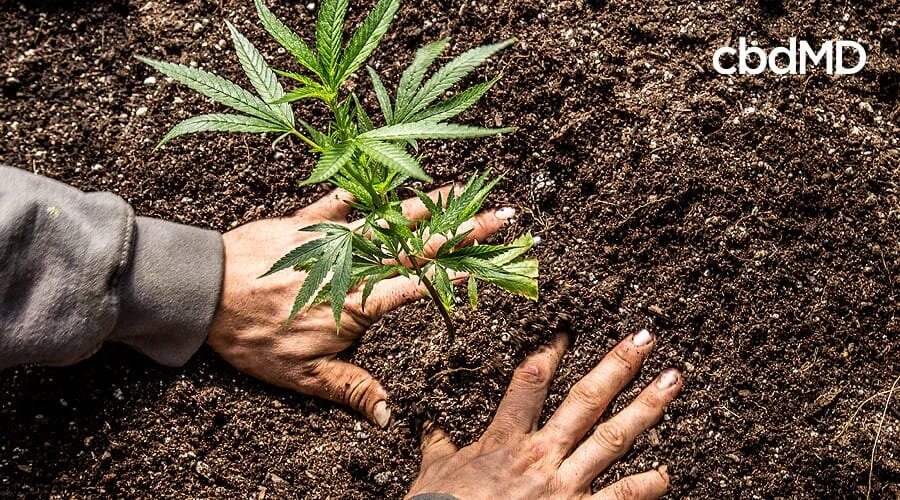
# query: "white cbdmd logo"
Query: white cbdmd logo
{"points": [[800, 56]]}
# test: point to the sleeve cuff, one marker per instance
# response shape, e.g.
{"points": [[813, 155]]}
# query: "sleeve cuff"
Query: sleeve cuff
{"points": [[170, 292]]}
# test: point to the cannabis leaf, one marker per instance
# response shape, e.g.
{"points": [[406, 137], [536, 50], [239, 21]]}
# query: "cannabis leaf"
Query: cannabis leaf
{"points": [[372, 162]]}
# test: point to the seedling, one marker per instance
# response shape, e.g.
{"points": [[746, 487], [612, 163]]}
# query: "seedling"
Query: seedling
{"points": [[372, 163]]}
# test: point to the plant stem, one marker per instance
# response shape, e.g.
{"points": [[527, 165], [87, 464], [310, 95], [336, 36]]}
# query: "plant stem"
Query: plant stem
{"points": [[435, 297], [307, 140]]}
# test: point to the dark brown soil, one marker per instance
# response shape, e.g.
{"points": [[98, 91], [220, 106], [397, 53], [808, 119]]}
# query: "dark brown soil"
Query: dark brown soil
{"points": [[752, 222]]}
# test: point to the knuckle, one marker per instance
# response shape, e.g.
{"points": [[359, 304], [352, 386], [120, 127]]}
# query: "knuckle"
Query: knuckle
{"points": [[495, 438], [534, 453], [623, 357], [627, 489], [651, 401], [587, 393], [612, 437], [532, 374], [355, 391]]}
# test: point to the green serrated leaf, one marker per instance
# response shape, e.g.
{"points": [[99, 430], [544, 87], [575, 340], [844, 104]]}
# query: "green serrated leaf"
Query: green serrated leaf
{"points": [[340, 279], [367, 37], [221, 123], [288, 39], [523, 267], [478, 251], [311, 283], [218, 89], [329, 34], [384, 99], [315, 92], [516, 249], [260, 74], [331, 161], [452, 107], [363, 122], [430, 130], [452, 243], [393, 157], [444, 287], [304, 253], [318, 137], [326, 227], [450, 74], [414, 74], [473, 292], [515, 283], [305, 80]]}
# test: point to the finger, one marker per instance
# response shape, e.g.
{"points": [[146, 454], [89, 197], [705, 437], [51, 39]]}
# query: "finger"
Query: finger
{"points": [[333, 206], [648, 485], [520, 408], [482, 226], [436, 445], [613, 438], [352, 386], [590, 396], [391, 293]]}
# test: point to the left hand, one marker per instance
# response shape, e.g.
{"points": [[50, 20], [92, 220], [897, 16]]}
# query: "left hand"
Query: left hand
{"points": [[249, 330], [515, 459]]}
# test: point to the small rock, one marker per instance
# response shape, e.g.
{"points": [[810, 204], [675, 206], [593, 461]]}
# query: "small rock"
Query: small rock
{"points": [[177, 100], [744, 393], [866, 107], [187, 199], [105, 456], [24, 468], [150, 80], [382, 478], [203, 470], [688, 367], [277, 404], [141, 111], [198, 27], [275, 479], [96, 167], [278, 156], [12, 81], [311, 6], [653, 437]]}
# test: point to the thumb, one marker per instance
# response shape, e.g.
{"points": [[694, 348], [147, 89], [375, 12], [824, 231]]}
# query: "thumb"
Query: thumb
{"points": [[436, 445], [350, 385]]}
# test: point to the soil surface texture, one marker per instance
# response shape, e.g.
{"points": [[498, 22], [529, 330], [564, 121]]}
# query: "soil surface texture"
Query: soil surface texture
{"points": [[752, 222]]}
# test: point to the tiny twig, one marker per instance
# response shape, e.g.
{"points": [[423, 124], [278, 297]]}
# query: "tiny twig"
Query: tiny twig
{"points": [[451, 371], [887, 405]]}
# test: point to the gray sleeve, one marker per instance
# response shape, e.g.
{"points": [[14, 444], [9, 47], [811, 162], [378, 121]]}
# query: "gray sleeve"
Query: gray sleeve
{"points": [[78, 269]]}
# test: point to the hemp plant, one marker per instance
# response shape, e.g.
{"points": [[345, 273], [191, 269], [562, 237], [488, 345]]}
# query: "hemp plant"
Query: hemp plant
{"points": [[373, 163]]}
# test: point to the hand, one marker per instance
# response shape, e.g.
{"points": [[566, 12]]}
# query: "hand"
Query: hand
{"points": [[513, 459], [249, 330]]}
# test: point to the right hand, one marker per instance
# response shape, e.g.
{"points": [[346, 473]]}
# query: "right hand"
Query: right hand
{"points": [[249, 330], [515, 460]]}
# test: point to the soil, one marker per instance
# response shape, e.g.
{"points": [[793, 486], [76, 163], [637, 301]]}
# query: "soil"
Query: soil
{"points": [[752, 222]]}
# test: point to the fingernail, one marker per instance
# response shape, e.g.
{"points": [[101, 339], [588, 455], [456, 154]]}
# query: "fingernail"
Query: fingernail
{"points": [[382, 414], [642, 338], [667, 378], [505, 213]]}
